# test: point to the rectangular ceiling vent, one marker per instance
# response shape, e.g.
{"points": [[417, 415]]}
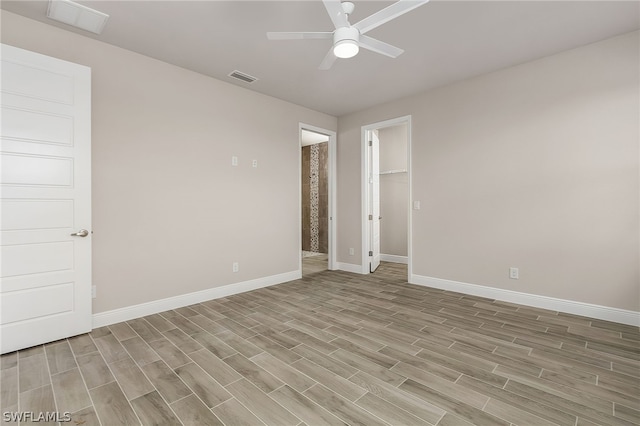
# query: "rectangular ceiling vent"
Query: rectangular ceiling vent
{"points": [[242, 76], [77, 15]]}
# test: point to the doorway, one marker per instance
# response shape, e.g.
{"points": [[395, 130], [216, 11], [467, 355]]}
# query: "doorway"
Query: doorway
{"points": [[386, 189], [317, 165]]}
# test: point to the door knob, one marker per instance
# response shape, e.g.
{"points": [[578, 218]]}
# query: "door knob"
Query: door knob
{"points": [[80, 233]]}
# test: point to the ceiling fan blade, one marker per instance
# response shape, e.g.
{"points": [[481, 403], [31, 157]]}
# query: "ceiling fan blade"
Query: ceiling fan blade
{"points": [[380, 47], [298, 35], [337, 15], [328, 60], [387, 14]]}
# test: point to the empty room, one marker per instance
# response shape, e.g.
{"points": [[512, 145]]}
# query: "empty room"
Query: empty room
{"points": [[320, 212]]}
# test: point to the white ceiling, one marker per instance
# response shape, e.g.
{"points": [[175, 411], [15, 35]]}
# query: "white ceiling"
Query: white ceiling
{"points": [[308, 137], [444, 41]]}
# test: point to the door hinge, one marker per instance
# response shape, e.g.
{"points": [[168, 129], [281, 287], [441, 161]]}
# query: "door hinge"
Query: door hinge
{"points": [[370, 217], [370, 143], [370, 253]]}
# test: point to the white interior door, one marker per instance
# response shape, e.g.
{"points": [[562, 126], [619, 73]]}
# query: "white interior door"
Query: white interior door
{"points": [[45, 284], [374, 200]]}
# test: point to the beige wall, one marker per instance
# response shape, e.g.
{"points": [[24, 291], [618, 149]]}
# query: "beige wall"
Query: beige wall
{"points": [[534, 166], [170, 214], [394, 190]]}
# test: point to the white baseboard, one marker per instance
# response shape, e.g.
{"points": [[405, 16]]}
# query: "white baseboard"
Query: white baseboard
{"points": [[349, 267], [136, 311], [394, 258], [561, 305]]}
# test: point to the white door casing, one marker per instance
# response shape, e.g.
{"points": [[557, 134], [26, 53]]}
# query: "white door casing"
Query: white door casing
{"points": [[331, 189], [45, 284], [374, 200], [366, 206]]}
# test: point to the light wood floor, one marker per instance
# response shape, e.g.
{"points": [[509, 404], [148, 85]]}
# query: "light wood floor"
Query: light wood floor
{"points": [[337, 348], [313, 265]]}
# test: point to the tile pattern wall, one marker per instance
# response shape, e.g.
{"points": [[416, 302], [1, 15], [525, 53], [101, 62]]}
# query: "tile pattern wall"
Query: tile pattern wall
{"points": [[315, 198]]}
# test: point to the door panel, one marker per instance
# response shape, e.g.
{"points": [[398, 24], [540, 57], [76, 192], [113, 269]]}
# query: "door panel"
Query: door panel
{"points": [[18, 169], [34, 78], [46, 257], [36, 214], [47, 301], [374, 200], [45, 158], [36, 126]]}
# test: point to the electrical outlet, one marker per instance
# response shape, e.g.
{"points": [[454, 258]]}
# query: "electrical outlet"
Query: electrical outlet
{"points": [[93, 291], [254, 163], [234, 161], [514, 273], [351, 252], [235, 267]]}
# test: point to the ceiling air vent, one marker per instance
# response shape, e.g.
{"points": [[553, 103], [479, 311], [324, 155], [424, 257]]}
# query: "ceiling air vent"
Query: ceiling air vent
{"points": [[77, 15], [242, 76]]}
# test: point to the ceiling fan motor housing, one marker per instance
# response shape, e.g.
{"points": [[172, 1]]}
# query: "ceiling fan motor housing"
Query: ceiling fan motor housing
{"points": [[346, 33]]}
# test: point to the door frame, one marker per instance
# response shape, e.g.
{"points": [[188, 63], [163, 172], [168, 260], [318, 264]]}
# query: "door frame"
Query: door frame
{"points": [[373, 207], [364, 189], [331, 188]]}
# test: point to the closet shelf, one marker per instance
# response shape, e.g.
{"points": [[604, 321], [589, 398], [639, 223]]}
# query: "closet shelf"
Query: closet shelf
{"points": [[390, 172]]}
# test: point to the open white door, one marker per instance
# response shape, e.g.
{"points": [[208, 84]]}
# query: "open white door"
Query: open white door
{"points": [[45, 257], [374, 200]]}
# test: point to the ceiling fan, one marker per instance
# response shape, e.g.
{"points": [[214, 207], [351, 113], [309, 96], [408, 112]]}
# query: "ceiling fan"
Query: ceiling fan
{"points": [[347, 38]]}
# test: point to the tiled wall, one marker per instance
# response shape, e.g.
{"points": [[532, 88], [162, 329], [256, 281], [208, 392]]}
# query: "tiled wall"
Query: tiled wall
{"points": [[314, 198]]}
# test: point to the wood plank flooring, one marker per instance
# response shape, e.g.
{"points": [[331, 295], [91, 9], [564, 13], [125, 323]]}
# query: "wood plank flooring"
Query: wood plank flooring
{"points": [[336, 348]]}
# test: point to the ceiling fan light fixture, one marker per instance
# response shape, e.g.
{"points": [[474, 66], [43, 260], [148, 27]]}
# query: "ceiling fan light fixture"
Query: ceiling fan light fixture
{"points": [[345, 42], [346, 49]]}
